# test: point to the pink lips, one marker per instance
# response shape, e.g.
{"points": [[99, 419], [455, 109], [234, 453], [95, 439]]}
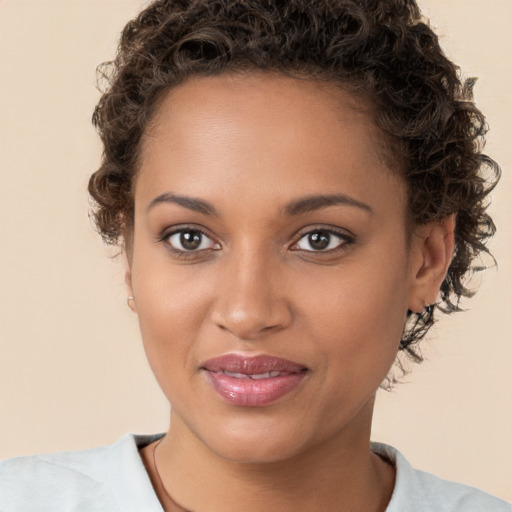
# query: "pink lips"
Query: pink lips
{"points": [[253, 381]]}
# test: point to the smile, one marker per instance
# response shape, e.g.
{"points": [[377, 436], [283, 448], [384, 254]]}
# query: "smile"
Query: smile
{"points": [[253, 381]]}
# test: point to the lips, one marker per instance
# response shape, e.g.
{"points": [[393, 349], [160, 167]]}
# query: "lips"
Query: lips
{"points": [[253, 381]]}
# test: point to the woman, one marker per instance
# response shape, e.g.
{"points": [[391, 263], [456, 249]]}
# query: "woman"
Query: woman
{"points": [[297, 187]]}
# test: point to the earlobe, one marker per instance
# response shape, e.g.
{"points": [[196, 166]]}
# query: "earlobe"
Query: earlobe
{"points": [[433, 246]]}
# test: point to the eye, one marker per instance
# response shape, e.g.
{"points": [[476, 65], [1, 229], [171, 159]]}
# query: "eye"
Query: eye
{"points": [[188, 240], [321, 240]]}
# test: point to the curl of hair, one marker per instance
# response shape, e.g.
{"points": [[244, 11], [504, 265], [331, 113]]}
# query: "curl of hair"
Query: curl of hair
{"points": [[381, 50]]}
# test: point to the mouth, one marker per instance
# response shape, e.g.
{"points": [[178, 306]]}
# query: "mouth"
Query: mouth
{"points": [[254, 381]]}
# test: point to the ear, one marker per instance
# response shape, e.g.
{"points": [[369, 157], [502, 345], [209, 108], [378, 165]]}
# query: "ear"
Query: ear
{"points": [[129, 288], [432, 251]]}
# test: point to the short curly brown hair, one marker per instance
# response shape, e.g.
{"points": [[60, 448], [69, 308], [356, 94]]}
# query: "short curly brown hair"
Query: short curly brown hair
{"points": [[381, 50]]}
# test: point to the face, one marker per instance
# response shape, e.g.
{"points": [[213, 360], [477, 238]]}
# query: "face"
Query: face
{"points": [[269, 236]]}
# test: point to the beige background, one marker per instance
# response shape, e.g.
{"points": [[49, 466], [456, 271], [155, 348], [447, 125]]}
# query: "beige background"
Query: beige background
{"points": [[72, 370]]}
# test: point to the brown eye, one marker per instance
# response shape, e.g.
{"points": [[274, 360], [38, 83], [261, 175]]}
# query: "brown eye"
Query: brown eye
{"points": [[320, 240], [190, 240]]}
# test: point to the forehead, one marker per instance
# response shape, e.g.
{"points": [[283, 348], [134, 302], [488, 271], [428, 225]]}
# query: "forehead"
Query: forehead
{"points": [[256, 100], [262, 131]]}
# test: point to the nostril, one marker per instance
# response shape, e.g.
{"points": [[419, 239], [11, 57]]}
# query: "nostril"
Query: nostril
{"points": [[251, 314], [248, 329]]}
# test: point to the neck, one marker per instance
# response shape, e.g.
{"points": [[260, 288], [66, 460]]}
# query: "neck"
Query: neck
{"points": [[341, 473]]}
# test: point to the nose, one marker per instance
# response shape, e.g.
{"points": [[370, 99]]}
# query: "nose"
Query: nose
{"points": [[251, 300]]}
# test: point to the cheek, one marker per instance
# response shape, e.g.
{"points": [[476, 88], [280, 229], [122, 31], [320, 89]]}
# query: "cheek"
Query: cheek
{"points": [[359, 320], [171, 306]]}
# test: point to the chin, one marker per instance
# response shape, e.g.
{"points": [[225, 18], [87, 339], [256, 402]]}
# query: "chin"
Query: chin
{"points": [[258, 440]]}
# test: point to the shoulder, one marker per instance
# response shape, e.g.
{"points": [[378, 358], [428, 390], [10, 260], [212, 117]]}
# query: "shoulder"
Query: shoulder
{"points": [[417, 490], [70, 481], [59, 481]]}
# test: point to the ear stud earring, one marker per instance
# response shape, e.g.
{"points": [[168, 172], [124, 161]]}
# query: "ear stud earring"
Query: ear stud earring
{"points": [[128, 299]]}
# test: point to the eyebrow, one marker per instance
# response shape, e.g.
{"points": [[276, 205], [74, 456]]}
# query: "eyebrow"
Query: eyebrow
{"points": [[312, 203], [191, 203], [297, 207]]}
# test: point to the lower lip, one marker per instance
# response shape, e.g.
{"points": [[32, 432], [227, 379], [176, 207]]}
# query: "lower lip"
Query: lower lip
{"points": [[252, 392]]}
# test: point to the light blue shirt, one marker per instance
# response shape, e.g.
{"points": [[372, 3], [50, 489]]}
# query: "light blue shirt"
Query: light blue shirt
{"points": [[113, 479]]}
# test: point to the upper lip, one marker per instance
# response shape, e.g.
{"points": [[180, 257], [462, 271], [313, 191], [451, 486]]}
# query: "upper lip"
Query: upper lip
{"points": [[251, 365]]}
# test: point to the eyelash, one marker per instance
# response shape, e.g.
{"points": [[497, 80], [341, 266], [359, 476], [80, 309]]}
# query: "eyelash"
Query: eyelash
{"points": [[184, 254], [346, 240]]}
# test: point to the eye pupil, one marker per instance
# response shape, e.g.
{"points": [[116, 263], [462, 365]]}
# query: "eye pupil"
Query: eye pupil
{"points": [[190, 240], [319, 240]]}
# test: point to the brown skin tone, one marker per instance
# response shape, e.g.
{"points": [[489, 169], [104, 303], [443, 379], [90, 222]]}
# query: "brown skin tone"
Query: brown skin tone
{"points": [[251, 146]]}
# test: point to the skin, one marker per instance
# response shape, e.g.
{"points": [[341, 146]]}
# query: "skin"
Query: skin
{"points": [[251, 145]]}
